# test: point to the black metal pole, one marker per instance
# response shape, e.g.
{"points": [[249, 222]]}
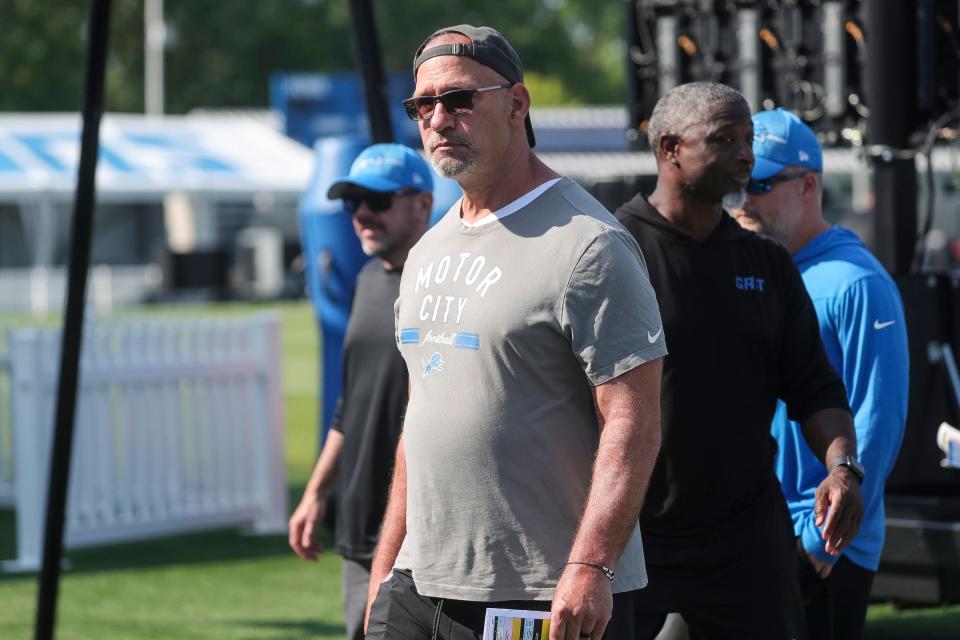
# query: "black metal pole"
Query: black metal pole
{"points": [[891, 97], [366, 44], [98, 23], [634, 89]]}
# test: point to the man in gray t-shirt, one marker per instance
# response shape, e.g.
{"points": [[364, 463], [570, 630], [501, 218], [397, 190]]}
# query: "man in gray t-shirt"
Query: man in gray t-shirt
{"points": [[533, 342]]}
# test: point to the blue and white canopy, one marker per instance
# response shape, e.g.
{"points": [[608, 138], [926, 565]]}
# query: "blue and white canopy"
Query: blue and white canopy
{"points": [[210, 153]]}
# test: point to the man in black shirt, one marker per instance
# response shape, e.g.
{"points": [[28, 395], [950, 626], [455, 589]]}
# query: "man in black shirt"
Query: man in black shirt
{"points": [[742, 333], [389, 194]]}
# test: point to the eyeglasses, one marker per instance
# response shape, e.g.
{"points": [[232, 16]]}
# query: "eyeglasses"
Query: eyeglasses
{"points": [[377, 201], [457, 101], [760, 187]]}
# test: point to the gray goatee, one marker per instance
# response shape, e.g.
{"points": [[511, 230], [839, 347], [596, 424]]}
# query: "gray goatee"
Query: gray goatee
{"points": [[734, 200]]}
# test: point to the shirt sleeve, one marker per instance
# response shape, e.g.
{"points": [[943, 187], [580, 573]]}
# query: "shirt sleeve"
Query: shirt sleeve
{"points": [[870, 331], [336, 421], [609, 309], [809, 383], [396, 321]]}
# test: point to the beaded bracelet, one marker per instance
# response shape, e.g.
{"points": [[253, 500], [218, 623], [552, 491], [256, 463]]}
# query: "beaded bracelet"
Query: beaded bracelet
{"points": [[607, 571]]}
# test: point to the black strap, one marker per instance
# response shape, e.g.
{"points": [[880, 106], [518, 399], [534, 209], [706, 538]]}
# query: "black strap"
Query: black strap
{"points": [[455, 49], [436, 620], [605, 570]]}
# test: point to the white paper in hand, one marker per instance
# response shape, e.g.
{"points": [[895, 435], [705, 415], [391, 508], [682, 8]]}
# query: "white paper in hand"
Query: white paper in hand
{"points": [[516, 624]]}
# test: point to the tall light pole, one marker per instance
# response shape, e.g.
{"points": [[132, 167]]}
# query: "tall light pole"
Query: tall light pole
{"points": [[154, 31], [81, 231], [891, 96], [366, 45]]}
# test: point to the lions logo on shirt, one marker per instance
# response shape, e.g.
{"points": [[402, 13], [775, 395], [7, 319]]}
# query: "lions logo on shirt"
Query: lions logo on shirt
{"points": [[435, 363]]}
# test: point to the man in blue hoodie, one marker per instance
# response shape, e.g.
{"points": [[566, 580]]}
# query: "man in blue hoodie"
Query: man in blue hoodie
{"points": [[864, 334]]}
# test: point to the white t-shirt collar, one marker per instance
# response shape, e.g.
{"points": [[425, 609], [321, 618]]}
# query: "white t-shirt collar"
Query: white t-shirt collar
{"points": [[512, 207]]}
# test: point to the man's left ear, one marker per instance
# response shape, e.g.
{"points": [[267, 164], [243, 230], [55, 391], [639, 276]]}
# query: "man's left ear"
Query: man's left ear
{"points": [[520, 101], [425, 203]]}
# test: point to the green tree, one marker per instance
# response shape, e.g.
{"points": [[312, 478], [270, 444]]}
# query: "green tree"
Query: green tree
{"points": [[578, 42], [41, 54], [222, 53]]}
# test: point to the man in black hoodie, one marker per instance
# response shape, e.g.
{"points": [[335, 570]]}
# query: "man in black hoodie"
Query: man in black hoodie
{"points": [[742, 333]]}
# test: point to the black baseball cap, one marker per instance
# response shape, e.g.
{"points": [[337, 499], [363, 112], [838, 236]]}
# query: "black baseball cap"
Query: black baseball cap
{"points": [[488, 47]]}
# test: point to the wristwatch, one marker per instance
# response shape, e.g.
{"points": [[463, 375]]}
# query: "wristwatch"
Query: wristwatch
{"points": [[850, 463]]}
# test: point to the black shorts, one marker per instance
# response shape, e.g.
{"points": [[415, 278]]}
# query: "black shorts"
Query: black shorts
{"points": [[401, 613], [736, 581]]}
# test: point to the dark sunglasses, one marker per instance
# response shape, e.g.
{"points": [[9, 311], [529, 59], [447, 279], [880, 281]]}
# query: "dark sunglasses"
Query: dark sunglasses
{"points": [[458, 101], [760, 187], [377, 201]]}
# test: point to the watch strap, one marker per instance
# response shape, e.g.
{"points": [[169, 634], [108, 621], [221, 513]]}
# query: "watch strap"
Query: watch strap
{"points": [[850, 463]]}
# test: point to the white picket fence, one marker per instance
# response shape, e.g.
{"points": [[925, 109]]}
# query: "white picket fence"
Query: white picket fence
{"points": [[179, 427], [41, 290], [6, 431]]}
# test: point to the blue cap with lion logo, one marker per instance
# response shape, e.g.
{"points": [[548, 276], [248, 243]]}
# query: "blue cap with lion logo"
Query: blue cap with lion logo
{"points": [[384, 168], [781, 140]]}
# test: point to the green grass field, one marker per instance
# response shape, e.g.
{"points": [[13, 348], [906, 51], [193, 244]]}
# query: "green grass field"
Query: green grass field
{"points": [[228, 585]]}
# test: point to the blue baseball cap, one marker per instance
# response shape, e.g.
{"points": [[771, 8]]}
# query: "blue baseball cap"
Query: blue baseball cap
{"points": [[385, 168], [780, 140]]}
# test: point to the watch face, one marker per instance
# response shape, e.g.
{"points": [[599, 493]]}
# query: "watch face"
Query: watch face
{"points": [[856, 467]]}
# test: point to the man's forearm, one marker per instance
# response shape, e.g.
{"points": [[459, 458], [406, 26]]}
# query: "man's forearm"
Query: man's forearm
{"points": [[831, 435], [625, 460], [325, 472], [394, 528], [628, 410], [838, 507]]}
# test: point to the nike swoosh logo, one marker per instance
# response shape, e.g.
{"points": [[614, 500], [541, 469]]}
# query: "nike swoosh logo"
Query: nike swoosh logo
{"points": [[883, 325], [652, 337]]}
